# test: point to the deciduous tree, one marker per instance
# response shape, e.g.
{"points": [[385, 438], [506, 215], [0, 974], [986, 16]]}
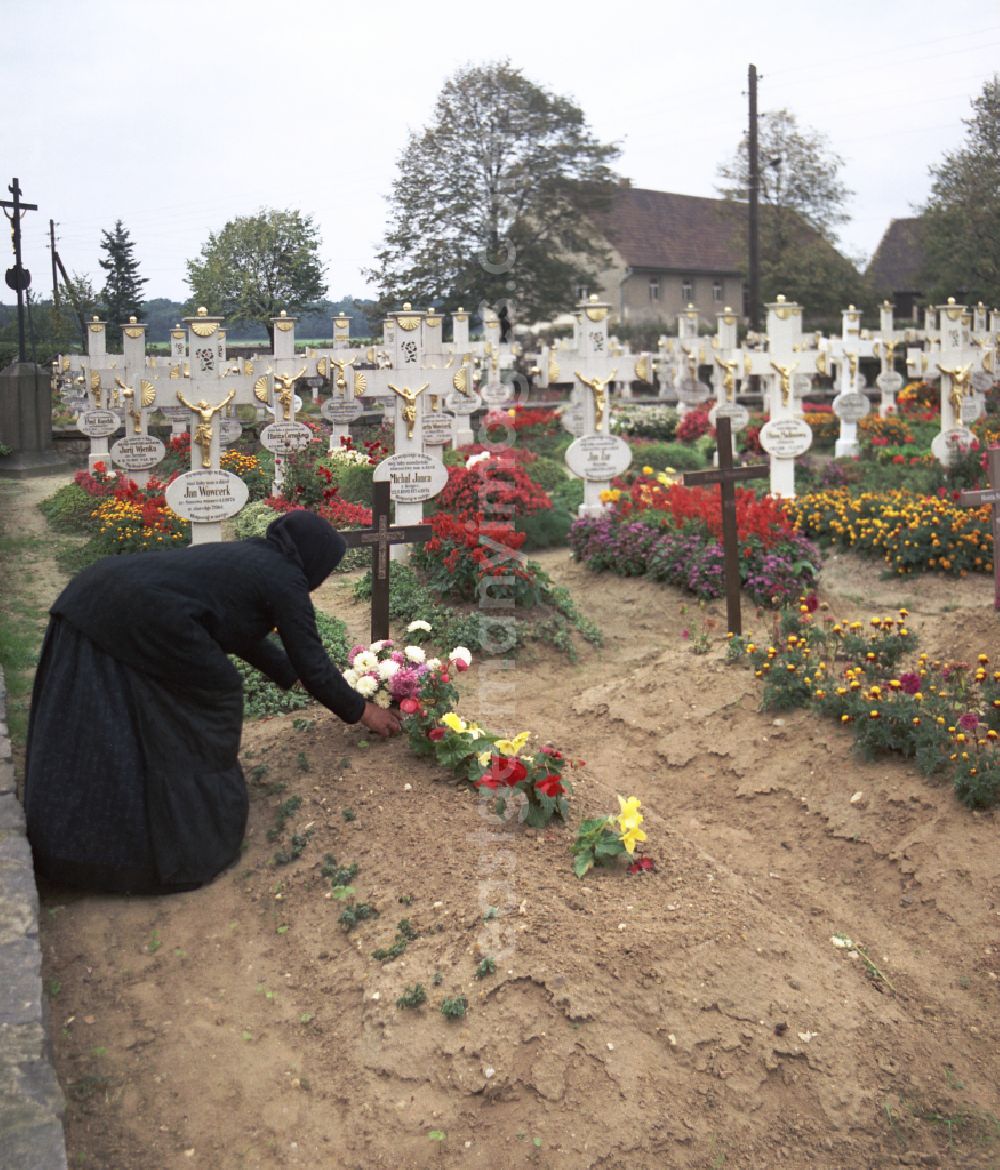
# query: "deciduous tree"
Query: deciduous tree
{"points": [[801, 203], [258, 265], [961, 220], [491, 199]]}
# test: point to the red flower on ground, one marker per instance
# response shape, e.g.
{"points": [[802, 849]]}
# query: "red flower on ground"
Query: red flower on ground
{"points": [[504, 772], [436, 733], [550, 785], [409, 706], [641, 865]]}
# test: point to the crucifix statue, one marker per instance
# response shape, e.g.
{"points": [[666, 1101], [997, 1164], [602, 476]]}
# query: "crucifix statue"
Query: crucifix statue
{"points": [[409, 398], [599, 386], [203, 432], [961, 377], [284, 391], [147, 397], [785, 374]]}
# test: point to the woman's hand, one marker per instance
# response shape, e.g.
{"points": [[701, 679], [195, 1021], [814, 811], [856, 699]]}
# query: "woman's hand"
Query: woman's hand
{"points": [[381, 721]]}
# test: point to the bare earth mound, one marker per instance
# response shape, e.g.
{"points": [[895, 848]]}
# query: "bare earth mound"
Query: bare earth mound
{"points": [[699, 1016]]}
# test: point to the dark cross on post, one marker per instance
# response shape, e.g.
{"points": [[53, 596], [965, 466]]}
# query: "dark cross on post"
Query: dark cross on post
{"points": [[990, 495], [727, 475], [379, 537], [18, 278]]}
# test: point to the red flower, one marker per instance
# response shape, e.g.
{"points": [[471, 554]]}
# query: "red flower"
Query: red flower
{"points": [[550, 785], [504, 772], [409, 706], [435, 733], [460, 664], [641, 865], [811, 602]]}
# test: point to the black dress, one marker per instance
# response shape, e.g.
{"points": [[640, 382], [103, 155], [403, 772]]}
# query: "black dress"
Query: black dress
{"points": [[132, 780]]}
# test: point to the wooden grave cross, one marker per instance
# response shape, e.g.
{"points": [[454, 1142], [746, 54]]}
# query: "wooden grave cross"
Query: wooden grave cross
{"points": [[727, 475], [379, 537], [990, 495]]}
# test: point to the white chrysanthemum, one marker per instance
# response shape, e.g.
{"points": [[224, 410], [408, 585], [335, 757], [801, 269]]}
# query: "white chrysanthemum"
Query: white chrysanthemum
{"points": [[382, 699], [461, 652], [415, 653], [375, 647], [433, 663], [387, 669], [351, 677], [366, 686], [418, 625], [365, 661], [474, 459]]}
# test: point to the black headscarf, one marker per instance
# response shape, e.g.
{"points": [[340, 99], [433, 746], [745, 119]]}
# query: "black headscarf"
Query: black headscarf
{"points": [[310, 541]]}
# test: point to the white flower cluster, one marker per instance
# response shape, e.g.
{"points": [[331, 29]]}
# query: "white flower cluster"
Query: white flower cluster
{"points": [[343, 455]]}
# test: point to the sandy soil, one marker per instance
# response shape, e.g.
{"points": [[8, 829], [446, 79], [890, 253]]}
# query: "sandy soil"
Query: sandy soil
{"points": [[699, 1016]]}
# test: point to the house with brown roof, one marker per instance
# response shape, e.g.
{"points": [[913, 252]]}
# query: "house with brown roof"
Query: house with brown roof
{"points": [[670, 251], [895, 269]]}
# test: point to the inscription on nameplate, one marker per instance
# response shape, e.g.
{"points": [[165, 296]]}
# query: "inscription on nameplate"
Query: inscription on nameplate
{"points": [[98, 424], [341, 411], [281, 437], [437, 428], [459, 403], [138, 452], [598, 457], [207, 496], [785, 438], [851, 407], [412, 476]]}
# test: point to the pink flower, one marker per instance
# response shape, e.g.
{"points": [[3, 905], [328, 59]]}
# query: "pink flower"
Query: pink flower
{"points": [[968, 722], [409, 706], [909, 683]]}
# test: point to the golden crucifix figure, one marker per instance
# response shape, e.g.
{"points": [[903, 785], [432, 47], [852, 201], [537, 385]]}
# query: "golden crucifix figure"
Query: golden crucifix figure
{"points": [[147, 397], [961, 377], [341, 379], [95, 388], [729, 377], [785, 374], [409, 398], [203, 431], [600, 388], [284, 390]]}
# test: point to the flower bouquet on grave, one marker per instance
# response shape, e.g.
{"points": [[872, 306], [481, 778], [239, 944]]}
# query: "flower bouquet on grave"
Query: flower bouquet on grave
{"points": [[388, 674], [601, 840]]}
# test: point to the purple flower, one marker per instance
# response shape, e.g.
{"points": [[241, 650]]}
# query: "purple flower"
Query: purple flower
{"points": [[967, 722], [909, 683]]}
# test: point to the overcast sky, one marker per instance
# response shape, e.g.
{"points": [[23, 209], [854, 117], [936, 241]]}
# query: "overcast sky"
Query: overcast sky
{"points": [[176, 117]]}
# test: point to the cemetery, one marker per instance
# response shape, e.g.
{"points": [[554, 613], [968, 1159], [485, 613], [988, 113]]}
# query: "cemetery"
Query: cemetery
{"points": [[686, 853]]}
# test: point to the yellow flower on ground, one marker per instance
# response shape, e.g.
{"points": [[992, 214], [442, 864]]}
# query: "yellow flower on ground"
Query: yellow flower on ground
{"points": [[511, 747], [484, 759], [631, 837], [629, 817], [453, 722]]}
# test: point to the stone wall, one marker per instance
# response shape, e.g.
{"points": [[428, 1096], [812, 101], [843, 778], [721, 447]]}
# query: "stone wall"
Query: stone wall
{"points": [[31, 1103]]}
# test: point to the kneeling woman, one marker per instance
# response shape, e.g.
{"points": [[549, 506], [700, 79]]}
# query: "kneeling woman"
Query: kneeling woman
{"points": [[133, 782]]}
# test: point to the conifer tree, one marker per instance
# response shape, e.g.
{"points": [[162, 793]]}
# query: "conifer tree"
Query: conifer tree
{"points": [[121, 296]]}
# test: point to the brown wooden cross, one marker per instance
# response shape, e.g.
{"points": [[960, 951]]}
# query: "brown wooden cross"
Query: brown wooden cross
{"points": [[379, 537], [727, 475], [990, 495]]}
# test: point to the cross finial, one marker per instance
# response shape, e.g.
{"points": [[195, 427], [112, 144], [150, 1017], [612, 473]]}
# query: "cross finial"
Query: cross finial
{"points": [[781, 298], [202, 311], [407, 306]]}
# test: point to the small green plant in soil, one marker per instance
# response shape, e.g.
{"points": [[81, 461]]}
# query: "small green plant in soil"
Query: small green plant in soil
{"points": [[486, 967], [412, 997], [454, 1008], [405, 934]]}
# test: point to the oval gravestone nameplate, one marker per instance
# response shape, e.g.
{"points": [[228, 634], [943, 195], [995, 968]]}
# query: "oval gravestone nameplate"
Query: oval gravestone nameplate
{"points": [[98, 424], [496, 393], [890, 381], [437, 428], [412, 476], [207, 496], [281, 437], [850, 407], [138, 452], [691, 392], [860, 382], [982, 381], [785, 438], [944, 444], [462, 403], [341, 411], [973, 406], [737, 414], [801, 384], [598, 458], [571, 418], [229, 430]]}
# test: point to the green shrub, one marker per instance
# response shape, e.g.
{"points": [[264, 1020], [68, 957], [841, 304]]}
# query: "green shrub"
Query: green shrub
{"points": [[355, 483], [546, 529], [69, 509], [253, 520], [568, 496], [660, 456], [547, 473]]}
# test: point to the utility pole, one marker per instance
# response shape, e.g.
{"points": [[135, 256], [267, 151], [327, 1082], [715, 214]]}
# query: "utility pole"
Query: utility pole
{"points": [[56, 315], [753, 191], [18, 278]]}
